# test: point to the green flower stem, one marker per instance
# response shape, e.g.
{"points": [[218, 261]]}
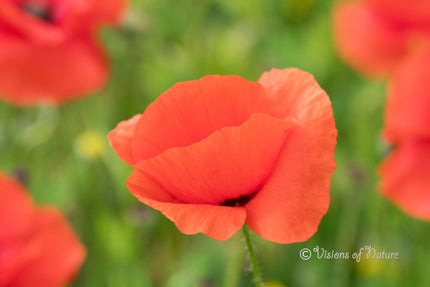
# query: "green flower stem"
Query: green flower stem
{"points": [[255, 269]]}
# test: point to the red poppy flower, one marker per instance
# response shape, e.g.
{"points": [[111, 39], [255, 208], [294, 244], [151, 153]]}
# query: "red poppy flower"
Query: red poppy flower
{"points": [[407, 112], [406, 172], [412, 13], [215, 153], [48, 51], [374, 35], [381, 37], [37, 246], [406, 177]]}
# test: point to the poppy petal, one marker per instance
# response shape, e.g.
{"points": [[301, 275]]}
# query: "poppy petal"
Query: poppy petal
{"points": [[32, 28], [107, 11], [405, 175], [15, 209], [218, 222], [367, 40], [407, 112], [230, 164], [83, 69], [191, 111], [54, 250], [416, 13], [291, 204], [120, 139]]}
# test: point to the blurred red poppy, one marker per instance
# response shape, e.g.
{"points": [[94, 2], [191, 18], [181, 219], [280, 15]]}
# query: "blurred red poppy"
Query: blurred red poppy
{"points": [[406, 177], [49, 52], [392, 37], [374, 35], [37, 246], [407, 113], [416, 12], [215, 153], [406, 172]]}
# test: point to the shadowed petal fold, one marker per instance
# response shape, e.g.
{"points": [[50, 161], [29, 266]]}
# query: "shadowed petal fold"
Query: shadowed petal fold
{"points": [[218, 222], [232, 163]]}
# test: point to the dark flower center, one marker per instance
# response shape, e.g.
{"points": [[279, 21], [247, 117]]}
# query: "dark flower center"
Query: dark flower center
{"points": [[239, 201], [38, 10]]}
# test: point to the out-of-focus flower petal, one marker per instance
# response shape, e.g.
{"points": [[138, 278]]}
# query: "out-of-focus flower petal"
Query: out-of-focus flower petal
{"points": [[405, 177], [31, 28], [32, 74], [15, 209], [107, 11], [37, 246], [408, 108], [366, 40], [49, 52], [55, 252], [416, 12]]}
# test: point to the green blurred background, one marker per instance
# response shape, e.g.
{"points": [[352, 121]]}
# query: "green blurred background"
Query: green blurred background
{"points": [[63, 156]]}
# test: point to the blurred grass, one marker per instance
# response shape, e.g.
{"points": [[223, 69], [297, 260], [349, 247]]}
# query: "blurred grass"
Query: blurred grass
{"points": [[163, 42]]}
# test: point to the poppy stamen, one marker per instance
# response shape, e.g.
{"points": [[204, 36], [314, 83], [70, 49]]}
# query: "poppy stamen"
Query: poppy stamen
{"points": [[239, 201], [38, 10]]}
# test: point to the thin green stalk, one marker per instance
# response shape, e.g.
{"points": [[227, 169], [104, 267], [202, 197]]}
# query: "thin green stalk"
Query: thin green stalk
{"points": [[255, 269]]}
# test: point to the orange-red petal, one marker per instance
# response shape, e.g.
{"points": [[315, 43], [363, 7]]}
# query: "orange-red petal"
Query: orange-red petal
{"points": [[55, 253], [366, 39], [405, 175], [191, 111], [408, 108], [292, 202], [231, 163], [29, 27], [15, 209], [32, 74], [106, 11], [409, 12], [218, 222], [120, 139], [37, 247]]}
